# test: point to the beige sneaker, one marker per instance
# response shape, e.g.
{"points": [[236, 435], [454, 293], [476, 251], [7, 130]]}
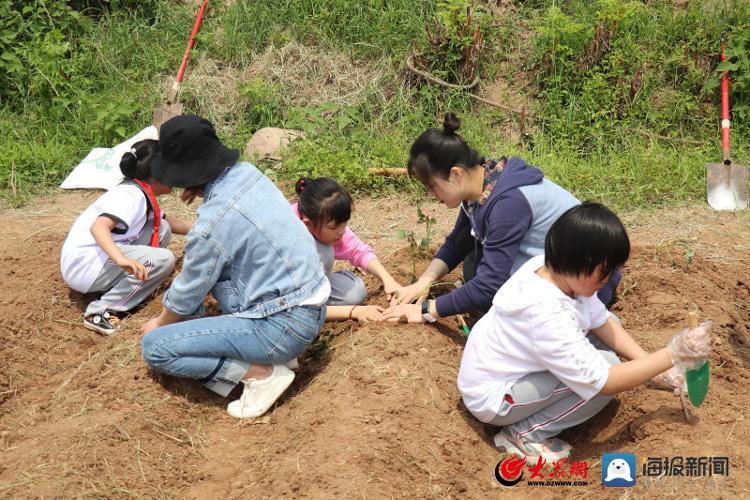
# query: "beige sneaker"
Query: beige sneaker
{"points": [[293, 364], [550, 449], [259, 395]]}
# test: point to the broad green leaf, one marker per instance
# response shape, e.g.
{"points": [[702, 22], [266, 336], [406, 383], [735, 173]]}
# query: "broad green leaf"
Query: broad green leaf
{"points": [[727, 66], [711, 84]]}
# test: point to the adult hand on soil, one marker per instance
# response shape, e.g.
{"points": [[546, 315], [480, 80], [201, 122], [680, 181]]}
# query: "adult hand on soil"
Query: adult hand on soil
{"points": [[410, 313], [670, 380], [133, 267], [365, 314], [415, 292], [689, 348]]}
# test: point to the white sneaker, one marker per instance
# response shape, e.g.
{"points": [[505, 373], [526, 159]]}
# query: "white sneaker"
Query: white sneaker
{"points": [[550, 449], [293, 364], [259, 395]]}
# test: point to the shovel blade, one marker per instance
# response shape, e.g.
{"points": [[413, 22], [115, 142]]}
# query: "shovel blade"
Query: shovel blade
{"points": [[727, 186], [697, 383], [166, 112]]}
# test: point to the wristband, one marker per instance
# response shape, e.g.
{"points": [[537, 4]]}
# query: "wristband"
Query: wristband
{"points": [[351, 311], [426, 312]]}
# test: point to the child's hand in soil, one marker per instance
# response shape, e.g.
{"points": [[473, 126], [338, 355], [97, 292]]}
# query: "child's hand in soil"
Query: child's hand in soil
{"points": [[390, 286], [689, 348], [670, 380], [365, 314], [133, 267]]}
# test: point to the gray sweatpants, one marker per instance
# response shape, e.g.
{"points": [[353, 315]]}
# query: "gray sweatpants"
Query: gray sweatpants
{"points": [[542, 406], [123, 291], [347, 289]]}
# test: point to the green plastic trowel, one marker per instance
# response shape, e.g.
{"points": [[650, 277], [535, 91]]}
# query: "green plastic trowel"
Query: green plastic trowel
{"points": [[464, 327], [697, 379]]}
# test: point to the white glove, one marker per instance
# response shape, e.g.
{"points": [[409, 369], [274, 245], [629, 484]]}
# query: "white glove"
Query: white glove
{"points": [[670, 380], [689, 348]]}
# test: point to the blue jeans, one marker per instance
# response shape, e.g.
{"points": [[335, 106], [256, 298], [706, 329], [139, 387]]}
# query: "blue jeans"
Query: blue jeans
{"points": [[219, 350]]}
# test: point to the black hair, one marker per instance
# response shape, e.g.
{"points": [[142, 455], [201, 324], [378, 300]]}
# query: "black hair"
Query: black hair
{"points": [[136, 163], [323, 199], [189, 194], [436, 151], [584, 237]]}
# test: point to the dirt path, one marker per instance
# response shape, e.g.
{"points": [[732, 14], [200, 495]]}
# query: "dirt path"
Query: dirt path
{"points": [[374, 411]]}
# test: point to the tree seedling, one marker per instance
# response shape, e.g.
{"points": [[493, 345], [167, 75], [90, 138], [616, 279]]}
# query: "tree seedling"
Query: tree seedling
{"points": [[416, 246]]}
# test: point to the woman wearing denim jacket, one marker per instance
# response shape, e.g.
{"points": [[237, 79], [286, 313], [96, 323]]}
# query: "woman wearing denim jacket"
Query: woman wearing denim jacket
{"points": [[249, 251]]}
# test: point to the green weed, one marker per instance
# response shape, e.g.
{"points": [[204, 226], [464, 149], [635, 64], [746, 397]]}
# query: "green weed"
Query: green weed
{"points": [[371, 29], [455, 41]]}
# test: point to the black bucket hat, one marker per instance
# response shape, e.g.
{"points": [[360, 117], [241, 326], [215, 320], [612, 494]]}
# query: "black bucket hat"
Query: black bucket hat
{"points": [[191, 154]]}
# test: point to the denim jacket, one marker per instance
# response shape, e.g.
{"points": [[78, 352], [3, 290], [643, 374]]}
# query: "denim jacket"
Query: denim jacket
{"points": [[247, 249]]}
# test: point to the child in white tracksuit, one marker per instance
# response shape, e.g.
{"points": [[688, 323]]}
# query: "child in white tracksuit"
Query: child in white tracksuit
{"points": [[545, 356], [117, 246]]}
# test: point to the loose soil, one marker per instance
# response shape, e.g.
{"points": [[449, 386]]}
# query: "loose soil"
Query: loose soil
{"points": [[374, 411]]}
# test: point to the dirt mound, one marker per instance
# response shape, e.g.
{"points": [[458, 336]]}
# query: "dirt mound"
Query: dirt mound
{"points": [[374, 410]]}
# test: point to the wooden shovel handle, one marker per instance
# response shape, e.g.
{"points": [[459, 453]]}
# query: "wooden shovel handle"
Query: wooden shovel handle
{"points": [[693, 319], [387, 171]]}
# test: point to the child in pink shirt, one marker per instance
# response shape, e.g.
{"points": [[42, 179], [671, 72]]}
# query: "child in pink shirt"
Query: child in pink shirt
{"points": [[325, 208]]}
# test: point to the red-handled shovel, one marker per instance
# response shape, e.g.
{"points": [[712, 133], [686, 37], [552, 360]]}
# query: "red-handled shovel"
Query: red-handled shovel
{"points": [[172, 107], [727, 181]]}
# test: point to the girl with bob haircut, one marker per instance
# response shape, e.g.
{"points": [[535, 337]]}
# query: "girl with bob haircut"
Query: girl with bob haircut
{"points": [[545, 356], [325, 208], [118, 245], [505, 208]]}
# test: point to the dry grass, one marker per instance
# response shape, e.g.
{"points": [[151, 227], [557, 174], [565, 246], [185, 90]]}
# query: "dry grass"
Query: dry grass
{"points": [[211, 89], [309, 76], [312, 76]]}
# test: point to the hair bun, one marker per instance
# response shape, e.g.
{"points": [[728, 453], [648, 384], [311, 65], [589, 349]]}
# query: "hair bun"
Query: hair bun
{"points": [[451, 123], [129, 164], [300, 185]]}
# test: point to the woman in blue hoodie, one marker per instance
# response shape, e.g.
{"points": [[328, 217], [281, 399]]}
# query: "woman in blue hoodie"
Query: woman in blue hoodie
{"points": [[506, 208]]}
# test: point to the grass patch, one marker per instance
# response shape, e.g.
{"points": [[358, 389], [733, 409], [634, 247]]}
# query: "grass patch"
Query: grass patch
{"points": [[630, 123], [372, 29]]}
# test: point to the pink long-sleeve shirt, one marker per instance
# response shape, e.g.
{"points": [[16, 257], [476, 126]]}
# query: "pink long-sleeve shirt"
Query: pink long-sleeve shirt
{"points": [[350, 248]]}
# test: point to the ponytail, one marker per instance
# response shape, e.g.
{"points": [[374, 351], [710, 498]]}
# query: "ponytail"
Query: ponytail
{"points": [[136, 163]]}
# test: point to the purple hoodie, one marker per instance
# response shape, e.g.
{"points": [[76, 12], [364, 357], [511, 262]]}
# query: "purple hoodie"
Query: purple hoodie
{"points": [[510, 226]]}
